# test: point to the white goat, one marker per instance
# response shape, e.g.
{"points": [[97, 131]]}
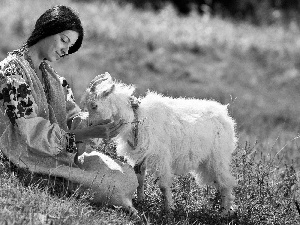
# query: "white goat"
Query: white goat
{"points": [[168, 136]]}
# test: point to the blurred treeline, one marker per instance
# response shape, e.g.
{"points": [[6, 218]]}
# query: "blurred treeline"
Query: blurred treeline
{"points": [[255, 11]]}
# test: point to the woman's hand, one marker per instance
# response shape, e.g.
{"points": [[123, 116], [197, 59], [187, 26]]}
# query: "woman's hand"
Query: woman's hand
{"points": [[104, 129]]}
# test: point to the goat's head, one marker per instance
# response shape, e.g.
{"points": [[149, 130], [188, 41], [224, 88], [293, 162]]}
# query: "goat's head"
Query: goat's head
{"points": [[104, 97]]}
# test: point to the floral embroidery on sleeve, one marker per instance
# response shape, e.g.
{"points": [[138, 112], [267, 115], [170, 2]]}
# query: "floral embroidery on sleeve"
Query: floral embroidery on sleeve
{"points": [[15, 94]]}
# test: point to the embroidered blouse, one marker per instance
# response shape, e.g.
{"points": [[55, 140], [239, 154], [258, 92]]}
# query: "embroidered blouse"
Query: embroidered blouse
{"points": [[33, 116]]}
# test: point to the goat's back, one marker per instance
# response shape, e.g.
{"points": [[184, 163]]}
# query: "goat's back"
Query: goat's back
{"points": [[182, 131]]}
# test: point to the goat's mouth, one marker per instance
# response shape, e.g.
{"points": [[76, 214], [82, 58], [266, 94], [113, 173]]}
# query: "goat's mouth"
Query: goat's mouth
{"points": [[93, 122]]}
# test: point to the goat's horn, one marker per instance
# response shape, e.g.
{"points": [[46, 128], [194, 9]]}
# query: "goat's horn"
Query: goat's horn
{"points": [[94, 85], [98, 79]]}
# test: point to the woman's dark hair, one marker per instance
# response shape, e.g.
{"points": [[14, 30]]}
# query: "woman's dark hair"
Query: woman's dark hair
{"points": [[56, 20]]}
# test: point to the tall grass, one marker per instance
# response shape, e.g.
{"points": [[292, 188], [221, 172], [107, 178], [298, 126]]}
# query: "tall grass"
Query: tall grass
{"points": [[253, 69]]}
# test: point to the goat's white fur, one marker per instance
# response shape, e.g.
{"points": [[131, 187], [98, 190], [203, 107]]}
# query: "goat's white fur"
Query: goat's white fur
{"points": [[175, 136]]}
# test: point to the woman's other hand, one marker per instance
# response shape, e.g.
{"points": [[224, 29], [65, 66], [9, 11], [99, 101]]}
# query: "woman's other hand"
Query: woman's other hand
{"points": [[104, 129]]}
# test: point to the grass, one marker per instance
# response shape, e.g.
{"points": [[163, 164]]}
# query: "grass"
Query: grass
{"points": [[254, 69], [265, 194]]}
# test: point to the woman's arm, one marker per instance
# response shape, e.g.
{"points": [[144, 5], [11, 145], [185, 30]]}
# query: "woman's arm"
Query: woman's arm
{"points": [[19, 106]]}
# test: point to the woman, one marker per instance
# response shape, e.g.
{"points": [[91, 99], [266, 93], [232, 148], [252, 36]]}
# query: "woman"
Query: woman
{"points": [[37, 104]]}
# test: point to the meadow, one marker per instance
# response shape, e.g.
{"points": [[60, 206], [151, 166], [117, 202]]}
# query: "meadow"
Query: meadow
{"points": [[254, 69]]}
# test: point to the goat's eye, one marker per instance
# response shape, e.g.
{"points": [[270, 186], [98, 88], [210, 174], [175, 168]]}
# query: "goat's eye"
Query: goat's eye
{"points": [[94, 105]]}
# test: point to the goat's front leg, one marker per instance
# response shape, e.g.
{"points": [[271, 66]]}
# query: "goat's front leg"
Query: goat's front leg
{"points": [[227, 200], [140, 170], [165, 182]]}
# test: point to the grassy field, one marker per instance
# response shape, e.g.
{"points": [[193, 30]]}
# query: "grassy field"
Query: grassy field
{"points": [[253, 69]]}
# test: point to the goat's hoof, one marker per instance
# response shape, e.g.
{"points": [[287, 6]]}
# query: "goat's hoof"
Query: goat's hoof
{"points": [[133, 213], [169, 215], [228, 212], [140, 197], [135, 216], [169, 210]]}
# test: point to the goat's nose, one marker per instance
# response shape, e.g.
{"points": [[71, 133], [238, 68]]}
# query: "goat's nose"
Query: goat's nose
{"points": [[94, 105]]}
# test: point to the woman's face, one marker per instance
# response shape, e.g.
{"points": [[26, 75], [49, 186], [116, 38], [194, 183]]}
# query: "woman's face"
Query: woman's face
{"points": [[56, 46]]}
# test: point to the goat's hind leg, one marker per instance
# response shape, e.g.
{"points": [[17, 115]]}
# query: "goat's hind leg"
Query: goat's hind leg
{"points": [[227, 200], [222, 180], [225, 183]]}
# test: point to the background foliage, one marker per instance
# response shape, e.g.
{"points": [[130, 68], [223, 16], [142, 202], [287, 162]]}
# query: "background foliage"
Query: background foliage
{"points": [[255, 11]]}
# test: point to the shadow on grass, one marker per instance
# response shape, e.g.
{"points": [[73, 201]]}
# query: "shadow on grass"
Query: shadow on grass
{"points": [[181, 216], [193, 205]]}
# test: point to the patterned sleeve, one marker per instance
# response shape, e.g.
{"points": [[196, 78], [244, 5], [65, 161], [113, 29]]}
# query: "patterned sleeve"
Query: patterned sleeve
{"points": [[15, 94], [19, 106]]}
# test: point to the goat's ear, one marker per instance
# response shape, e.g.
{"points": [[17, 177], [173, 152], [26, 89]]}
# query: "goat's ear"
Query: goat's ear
{"points": [[132, 89], [82, 103], [108, 77], [108, 91]]}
